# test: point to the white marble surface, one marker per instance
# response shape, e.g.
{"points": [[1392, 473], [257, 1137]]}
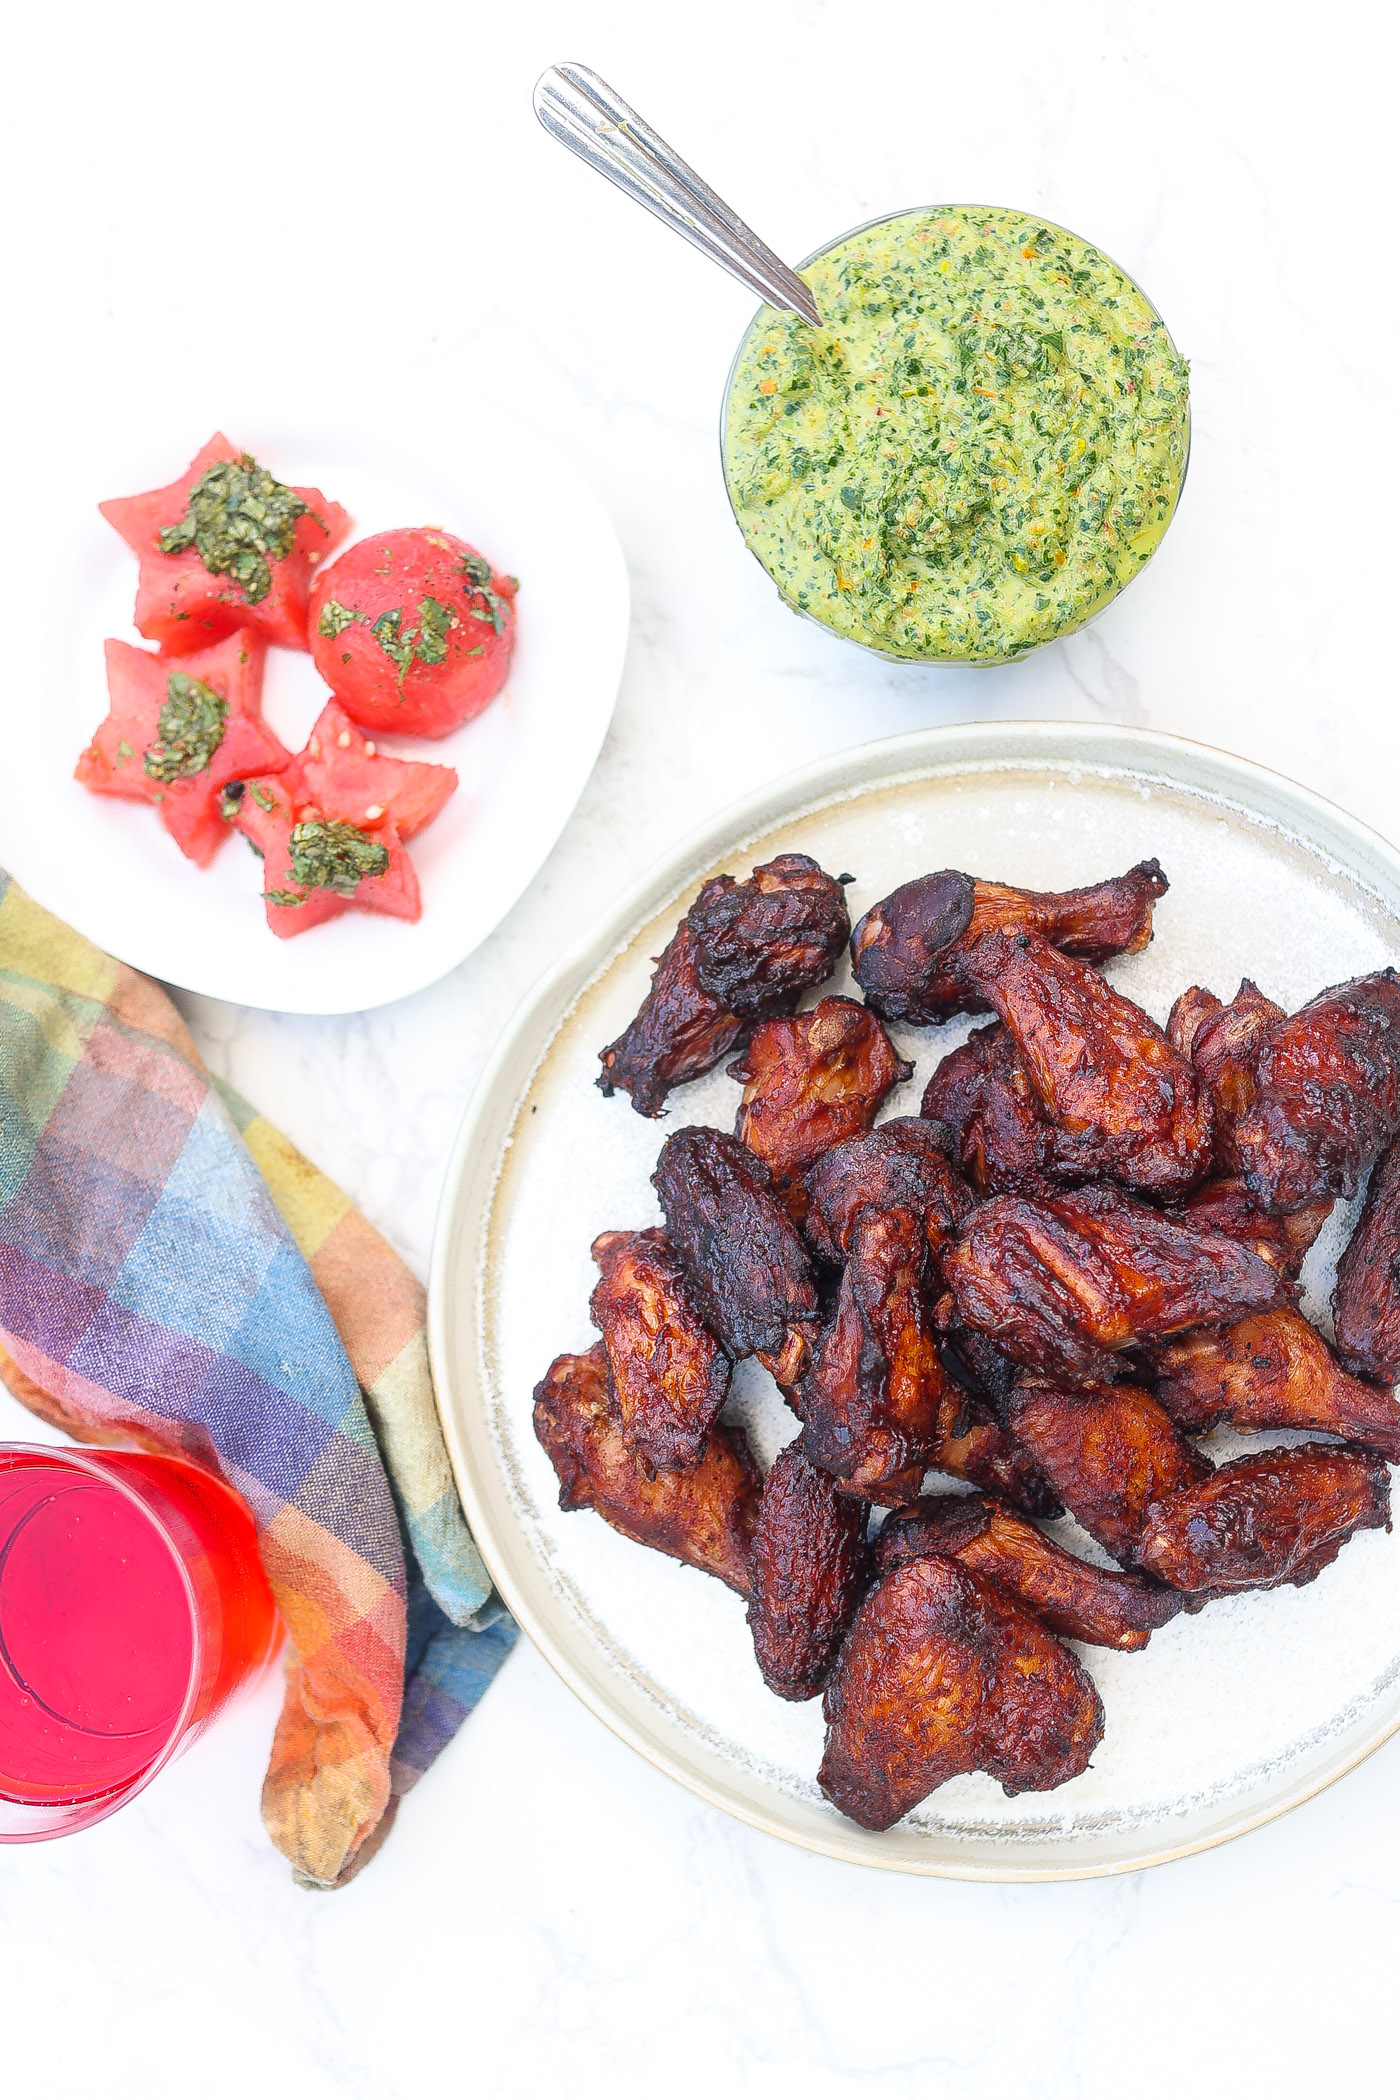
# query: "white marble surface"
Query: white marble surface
{"points": [[384, 237]]}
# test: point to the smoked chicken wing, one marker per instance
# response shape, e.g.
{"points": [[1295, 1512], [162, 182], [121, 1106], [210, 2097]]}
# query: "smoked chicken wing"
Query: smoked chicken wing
{"points": [[1222, 1048], [1001, 1135], [738, 1247], [1259, 1522], [973, 1443], [703, 1514], [810, 1081], [760, 944], [899, 1166], [678, 1032], [669, 1374], [941, 1673], [1076, 1601], [1327, 1095], [808, 1571], [1110, 1450], [1066, 1283], [906, 949], [871, 1396], [1366, 1302], [1272, 1371], [1102, 1069], [1230, 1206]]}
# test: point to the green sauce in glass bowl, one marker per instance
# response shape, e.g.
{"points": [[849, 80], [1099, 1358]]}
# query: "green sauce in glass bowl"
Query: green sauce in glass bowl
{"points": [[980, 448]]}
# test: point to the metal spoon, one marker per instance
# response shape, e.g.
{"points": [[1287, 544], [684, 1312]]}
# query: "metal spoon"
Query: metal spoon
{"points": [[584, 114]]}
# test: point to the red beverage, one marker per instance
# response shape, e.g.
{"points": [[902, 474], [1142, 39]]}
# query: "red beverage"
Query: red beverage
{"points": [[132, 1605]]}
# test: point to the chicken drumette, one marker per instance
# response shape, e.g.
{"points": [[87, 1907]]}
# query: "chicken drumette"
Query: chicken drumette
{"points": [[808, 1571], [1259, 1522], [906, 950], [702, 1514], [810, 1081], [941, 1673], [899, 1166], [1366, 1302], [1111, 1451], [669, 1374], [744, 950], [1079, 1602], [1065, 1284], [1272, 1371], [1002, 1136], [1222, 1043]]}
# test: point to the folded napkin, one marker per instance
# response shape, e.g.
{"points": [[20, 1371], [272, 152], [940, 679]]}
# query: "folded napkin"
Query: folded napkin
{"points": [[174, 1274]]}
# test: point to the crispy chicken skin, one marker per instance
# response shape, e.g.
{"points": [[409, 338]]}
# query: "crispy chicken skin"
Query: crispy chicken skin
{"points": [[1111, 1451], [901, 1165], [1102, 1069], [1272, 1371], [1231, 1207], [810, 1081], [679, 1032], [905, 950], [669, 1374], [1194, 1006], [1259, 1522], [1065, 1283], [973, 1444], [1001, 1135], [1076, 1601], [1327, 1095], [760, 944], [703, 1515], [1223, 1050], [808, 1569], [1366, 1302], [872, 1395], [942, 1673], [737, 1245]]}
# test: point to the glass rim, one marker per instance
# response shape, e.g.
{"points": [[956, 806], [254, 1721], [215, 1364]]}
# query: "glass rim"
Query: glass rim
{"points": [[854, 641], [60, 1817]]}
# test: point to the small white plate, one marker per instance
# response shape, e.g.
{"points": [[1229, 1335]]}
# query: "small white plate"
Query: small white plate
{"points": [[110, 868], [1227, 1719]]}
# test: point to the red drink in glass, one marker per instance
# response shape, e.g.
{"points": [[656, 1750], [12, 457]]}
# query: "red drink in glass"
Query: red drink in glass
{"points": [[132, 1606]]}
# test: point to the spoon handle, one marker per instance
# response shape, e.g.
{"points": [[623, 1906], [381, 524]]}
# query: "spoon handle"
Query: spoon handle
{"points": [[584, 114]]}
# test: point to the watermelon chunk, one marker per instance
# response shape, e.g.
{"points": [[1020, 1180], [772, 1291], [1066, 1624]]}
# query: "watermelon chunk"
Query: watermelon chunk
{"points": [[269, 810], [184, 605], [126, 756], [351, 779]]}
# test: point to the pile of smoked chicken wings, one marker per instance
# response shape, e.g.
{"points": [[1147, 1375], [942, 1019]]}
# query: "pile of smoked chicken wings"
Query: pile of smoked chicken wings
{"points": [[1081, 1253]]}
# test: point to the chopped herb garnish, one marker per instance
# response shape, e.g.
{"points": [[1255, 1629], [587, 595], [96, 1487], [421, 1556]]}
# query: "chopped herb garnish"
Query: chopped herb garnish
{"points": [[124, 751], [397, 646], [240, 519], [262, 798], [436, 623], [476, 569], [334, 620], [189, 730], [329, 855]]}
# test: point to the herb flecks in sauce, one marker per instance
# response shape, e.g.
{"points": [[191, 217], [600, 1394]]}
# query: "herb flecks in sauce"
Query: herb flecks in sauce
{"points": [[189, 730], [328, 855], [984, 443], [240, 519]]}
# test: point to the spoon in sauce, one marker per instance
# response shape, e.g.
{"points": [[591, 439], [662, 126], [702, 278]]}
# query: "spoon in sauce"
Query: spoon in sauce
{"points": [[584, 114]]}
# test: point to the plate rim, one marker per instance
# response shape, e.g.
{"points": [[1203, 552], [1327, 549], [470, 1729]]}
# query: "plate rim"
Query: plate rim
{"points": [[1264, 795]]}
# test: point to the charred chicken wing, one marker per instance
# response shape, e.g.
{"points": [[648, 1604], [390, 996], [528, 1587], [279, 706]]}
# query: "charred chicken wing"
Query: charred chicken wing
{"points": [[1111, 1451], [1273, 1371], [737, 1245], [941, 1673], [760, 944], [1102, 1069], [1065, 1283], [1223, 1049], [808, 1570], [872, 1395], [1075, 1600], [810, 1081], [669, 1374], [1366, 1302], [1001, 1135], [906, 949], [899, 1166], [973, 1443], [679, 1032], [703, 1515], [1230, 1206], [1259, 1522], [1327, 1095]]}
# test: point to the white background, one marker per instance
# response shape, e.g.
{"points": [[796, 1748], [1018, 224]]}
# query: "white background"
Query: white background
{"points": [[268, 216]]}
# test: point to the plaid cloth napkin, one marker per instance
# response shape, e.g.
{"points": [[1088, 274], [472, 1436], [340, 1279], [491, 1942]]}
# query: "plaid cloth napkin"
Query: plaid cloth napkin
{"points": [[174, 1274]]}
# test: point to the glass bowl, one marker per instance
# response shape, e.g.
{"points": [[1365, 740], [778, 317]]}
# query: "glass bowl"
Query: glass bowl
{"points": [[1017, 652]]}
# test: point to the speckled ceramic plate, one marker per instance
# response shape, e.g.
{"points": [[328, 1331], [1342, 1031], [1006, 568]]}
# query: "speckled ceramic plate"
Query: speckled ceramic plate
{"points": [[1227, 1719]]}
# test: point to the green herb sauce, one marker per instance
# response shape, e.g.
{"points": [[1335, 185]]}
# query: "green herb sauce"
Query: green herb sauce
{"points": [[189, 730], [979, 449], [240, 519], [329, 855]]}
